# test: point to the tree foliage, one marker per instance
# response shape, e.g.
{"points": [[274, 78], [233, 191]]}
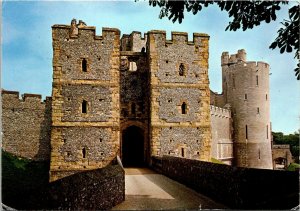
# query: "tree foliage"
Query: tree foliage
{"points": [[246, 15]]}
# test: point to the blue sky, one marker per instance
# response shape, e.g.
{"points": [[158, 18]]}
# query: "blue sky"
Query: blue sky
{"points": [[27, 45]]}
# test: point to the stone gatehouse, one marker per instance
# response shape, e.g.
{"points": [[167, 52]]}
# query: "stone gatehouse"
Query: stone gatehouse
{"points": [[140, 96]]}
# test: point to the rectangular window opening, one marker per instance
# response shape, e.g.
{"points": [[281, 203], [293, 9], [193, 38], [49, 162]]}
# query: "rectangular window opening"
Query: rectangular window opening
{"points": [[84, 153], [246, 97], [84, 107], [257, 80], [84, 65], [182, 152], [246, 131]]}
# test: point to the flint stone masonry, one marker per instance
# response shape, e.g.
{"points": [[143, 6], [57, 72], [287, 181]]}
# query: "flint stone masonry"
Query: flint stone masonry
{"points": [[96, 141], [170, 61], [26, 125], [134, 83], [98, 103], [99, 189], [95, 49], [245, 188], [174, 139], [170, 101], [178, 85], [86, 98]]}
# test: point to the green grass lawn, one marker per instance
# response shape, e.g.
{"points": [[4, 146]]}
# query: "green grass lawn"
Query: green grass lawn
{"points": [[293, 167], [24, 182]]}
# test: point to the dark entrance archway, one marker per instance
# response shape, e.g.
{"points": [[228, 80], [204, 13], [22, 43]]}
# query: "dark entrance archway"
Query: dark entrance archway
{"points": [[133, 147]]}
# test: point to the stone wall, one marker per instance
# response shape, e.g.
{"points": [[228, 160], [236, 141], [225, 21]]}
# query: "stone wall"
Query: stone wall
{"points": [[99, 189], [98, 99], [217, 99], [26, 125], [134, 42], [238, 188], [179, 95], [281, 156], [221, 129], [86, 93]]}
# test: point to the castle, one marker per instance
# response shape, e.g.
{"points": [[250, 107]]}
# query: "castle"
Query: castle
{"points": [[140, 97]]}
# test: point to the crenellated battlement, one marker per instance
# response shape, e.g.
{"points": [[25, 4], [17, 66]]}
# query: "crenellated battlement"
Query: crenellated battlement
{"points": [[227, 59], [220, 112], [74, 31], [180, 37], [26, 97], [240, 59], [251, 64]]}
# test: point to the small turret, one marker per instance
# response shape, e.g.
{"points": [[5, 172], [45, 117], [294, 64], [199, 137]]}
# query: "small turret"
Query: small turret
{"points": [[224, 58]]}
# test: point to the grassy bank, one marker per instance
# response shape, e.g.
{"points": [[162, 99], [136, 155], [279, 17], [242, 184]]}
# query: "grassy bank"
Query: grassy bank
{"points": [[24, 182]]}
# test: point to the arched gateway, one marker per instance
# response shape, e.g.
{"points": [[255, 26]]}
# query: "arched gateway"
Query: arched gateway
{"points": [[133, 147]]}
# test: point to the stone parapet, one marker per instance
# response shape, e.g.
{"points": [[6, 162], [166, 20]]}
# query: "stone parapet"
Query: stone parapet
{"points": [[220, 112], [180, 37], [283, 146]]}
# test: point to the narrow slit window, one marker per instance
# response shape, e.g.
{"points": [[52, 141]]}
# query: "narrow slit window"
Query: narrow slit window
{"points": [[84, 65], [267, 131], [259, 154], [246, 97], [246, 131], [257, 80], [233, 81], [183, 108], [133, 108], [84, 107], [266, 96], [257, 110], [181, 69], [83, 152], [182, 152]]}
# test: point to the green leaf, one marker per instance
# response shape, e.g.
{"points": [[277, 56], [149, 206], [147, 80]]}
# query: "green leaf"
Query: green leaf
{"points": [[282, 49], [289, 49], [273, 45]]}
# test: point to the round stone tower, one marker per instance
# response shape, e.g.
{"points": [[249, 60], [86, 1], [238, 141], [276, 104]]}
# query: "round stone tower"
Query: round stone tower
{"points": [[246, 89]]}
